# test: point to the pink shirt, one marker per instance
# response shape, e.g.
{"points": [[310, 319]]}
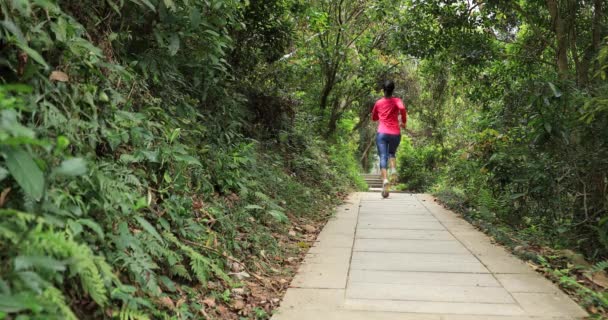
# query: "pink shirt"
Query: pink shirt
{"points": [[387, 110]]}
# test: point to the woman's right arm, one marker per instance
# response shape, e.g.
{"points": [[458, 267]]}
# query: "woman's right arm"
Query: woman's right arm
{"points": [[375, 116], [403, 111]]}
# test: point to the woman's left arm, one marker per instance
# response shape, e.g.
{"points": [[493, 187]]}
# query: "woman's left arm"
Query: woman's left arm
{"points": [[403, 111]]}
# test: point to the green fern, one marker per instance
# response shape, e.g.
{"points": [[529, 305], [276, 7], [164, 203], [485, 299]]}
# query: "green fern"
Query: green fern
{"points": [[53, 298], [600, 266], [201, 266], [130, 314], [81, 260]]}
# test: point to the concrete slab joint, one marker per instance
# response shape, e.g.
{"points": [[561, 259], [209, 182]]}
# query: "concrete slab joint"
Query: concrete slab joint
{"points": [[407, 257]]}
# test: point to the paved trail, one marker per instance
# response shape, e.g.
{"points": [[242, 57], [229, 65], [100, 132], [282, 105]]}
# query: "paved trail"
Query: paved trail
{"points": [[408, 258]]}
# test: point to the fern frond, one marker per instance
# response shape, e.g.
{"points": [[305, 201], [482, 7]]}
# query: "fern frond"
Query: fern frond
{"points": [[130, 314], [181, 271], [261, 196], [55, 299], [81, 260], [200, 265], [600, 266]]}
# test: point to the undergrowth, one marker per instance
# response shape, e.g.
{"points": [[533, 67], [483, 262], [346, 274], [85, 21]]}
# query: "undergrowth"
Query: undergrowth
{"points": [[134, 174]]}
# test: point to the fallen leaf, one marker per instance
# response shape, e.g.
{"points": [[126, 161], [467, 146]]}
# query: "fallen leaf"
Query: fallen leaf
{"points": [[225, 314], [593, 310], [239, 291], [599, 278], [59, 76], [292, 233], [241, 275], [238, 304], [310, 229], [236, 267], [180, 302], [303, 245], [166, 302], [210, 302], [577, 259], [3, 196]]}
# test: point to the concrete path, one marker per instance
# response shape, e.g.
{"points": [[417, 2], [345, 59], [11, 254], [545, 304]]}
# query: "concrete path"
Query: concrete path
{"points": [[408, 258]]}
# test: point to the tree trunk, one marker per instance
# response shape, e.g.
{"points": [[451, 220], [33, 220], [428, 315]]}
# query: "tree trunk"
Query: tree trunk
{"points": [[325, 94], [597, 25], [330, 82], [365, 156], [336, 113], [561, 33], [596, 39]]}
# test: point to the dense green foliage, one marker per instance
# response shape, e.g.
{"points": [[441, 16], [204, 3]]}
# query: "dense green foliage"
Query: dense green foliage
{"points": [[145, 143], [514, 96]]}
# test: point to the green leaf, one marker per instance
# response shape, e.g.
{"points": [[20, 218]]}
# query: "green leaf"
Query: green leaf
{"points": [[93, 226], [149, 228], [10, 123], [517, 196], [141, 203], [23, 6], [146, 3], [19, 302], [25, 171], [114, 6], [170, 4], [72, 167], [167, 177], [187, 159], [32, 280], [168, 283], [62, 143], [213, 33], [173, 44], [3, 173], [253, 207], [278, 215], [12, 28], [38, 262], [33, 54], [195, 18], [174, 135], [556, 92], [75, 226]]}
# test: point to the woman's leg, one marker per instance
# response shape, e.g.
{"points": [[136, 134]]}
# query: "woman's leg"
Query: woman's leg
{"points": [[393, 144], [382, 145]]}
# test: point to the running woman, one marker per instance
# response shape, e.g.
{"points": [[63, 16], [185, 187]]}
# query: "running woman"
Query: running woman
{"points": [[387, 111]]}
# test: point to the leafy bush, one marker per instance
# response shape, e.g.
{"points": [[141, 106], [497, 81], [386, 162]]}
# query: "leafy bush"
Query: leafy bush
{"points": [[417, 165]]}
